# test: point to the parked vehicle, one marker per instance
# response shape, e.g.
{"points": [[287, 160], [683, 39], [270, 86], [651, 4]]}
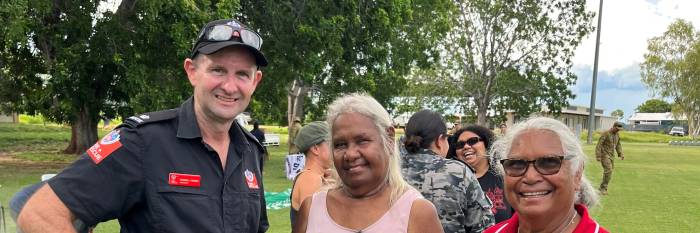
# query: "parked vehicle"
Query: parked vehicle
{"points": [[677, 131]]}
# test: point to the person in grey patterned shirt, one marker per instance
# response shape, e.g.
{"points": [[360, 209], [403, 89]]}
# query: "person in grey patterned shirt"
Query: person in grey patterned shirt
{"points": [[448, 184]]}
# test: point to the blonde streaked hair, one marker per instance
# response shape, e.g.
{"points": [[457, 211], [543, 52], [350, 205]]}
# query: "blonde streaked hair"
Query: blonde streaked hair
{"points": [[367, 106]]}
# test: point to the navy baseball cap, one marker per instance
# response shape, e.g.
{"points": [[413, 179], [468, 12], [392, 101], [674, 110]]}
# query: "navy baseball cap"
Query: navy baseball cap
{"points": [[222, 33]]}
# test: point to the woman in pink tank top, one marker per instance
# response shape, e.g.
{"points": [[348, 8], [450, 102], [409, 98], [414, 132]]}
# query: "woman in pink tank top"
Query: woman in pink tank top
{"points": [[372, 196]]}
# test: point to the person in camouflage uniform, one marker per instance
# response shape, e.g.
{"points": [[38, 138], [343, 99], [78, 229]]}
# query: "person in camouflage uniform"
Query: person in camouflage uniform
{"points": [[608, 143], [293, 131], [448, 184]]}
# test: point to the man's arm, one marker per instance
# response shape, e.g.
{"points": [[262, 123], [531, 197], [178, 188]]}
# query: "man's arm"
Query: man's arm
{"points": [[45, 212], [618, 148], [599, 147]]}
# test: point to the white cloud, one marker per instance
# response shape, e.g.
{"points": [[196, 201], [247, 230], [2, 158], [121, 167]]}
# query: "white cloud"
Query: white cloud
{"points": [[626, 27]]}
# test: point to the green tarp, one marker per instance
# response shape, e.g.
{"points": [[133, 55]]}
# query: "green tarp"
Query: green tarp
{"points": [[278, 200]]}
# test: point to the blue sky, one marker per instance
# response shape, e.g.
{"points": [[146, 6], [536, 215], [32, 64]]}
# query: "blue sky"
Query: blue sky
{"points": [[626, 27]]}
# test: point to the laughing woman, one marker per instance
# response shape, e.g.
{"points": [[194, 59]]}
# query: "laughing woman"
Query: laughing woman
{"points": [[471, 147], [543, 166], [372, 196]]}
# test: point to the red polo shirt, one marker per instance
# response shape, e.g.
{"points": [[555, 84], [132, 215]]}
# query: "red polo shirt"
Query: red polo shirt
{"points": [[586, 225]]}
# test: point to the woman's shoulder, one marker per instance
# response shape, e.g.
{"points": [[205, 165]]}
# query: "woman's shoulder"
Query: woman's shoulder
{"points": [[306, 178], [421, 206], [423, 217], [457, 168]]}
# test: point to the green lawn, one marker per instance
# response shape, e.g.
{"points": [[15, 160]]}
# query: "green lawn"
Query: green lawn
{"points": [[654, 189]]}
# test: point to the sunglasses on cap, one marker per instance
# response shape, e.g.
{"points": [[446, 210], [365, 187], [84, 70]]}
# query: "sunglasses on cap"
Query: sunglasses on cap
{"points": [[231, 31], [546, 165], [470, 141]]}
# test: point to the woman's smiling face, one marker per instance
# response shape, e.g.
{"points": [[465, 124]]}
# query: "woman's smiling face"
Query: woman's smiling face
{"points": [[358, 152], [534, 193]]}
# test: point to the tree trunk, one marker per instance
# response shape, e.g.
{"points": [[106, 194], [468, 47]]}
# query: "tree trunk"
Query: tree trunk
{"points": [[299, 105], [83, 132], [481, 110], [73, 141], [693, 128], [295, 101]]}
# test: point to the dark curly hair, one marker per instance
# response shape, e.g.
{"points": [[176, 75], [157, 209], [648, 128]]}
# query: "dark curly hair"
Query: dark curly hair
{"points": [[422, 129], [483, 132]]}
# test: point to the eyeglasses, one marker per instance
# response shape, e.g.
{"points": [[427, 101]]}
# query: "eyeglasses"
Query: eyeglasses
{"points": [[545, 165], [232, 31], [470, 141]]}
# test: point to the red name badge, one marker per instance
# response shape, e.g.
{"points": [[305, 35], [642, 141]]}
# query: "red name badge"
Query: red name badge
{"points": [[187, 180]]}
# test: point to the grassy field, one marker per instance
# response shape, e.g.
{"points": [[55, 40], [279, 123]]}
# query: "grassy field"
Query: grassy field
{"points": [[654, 189]]}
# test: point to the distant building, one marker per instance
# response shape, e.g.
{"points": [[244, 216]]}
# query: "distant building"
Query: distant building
{"points": [[9, 118], [654, 122], [401, 120], [576, 117]]}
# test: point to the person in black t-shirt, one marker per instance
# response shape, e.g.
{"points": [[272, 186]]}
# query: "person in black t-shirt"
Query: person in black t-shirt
{"points": [[260, 135], [471, 145]]}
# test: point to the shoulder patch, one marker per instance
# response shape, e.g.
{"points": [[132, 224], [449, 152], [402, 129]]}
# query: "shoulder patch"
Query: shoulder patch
{"points": [[105, 147], [142, 119]]}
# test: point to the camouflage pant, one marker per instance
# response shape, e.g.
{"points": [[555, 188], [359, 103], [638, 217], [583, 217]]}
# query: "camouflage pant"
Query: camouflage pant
{"points": [[608, 166]]}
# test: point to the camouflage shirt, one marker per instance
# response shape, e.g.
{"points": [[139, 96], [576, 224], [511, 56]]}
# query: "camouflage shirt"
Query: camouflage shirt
{"points": [[293, 131], [607, 145], [452, 188]]}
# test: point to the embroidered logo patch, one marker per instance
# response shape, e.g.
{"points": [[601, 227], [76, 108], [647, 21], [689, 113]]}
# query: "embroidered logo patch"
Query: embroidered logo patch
{"points": [[104, 147], [251, 180]]}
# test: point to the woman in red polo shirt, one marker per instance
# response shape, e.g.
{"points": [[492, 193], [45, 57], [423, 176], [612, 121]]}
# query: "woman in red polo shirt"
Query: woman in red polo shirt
{"points": [[542, 162]]}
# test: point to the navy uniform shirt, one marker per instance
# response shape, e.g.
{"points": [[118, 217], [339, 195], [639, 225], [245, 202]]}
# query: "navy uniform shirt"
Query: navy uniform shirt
{"points": [[155, 174]]}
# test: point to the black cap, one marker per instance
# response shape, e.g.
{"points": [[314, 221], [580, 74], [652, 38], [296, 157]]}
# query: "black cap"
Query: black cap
{"points": [[618, 124], [208, 47]]}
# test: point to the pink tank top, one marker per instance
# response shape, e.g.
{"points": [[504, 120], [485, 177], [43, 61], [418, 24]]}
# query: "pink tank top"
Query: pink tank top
{"points": [[393, 221]]}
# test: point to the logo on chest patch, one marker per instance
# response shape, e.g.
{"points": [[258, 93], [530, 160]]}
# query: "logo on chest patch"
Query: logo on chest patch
{"points": [[251, 180]]}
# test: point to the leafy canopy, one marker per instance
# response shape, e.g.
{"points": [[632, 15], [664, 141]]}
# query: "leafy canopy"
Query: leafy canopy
{"points": [[654, 105], [671, 69], [508, 55]]}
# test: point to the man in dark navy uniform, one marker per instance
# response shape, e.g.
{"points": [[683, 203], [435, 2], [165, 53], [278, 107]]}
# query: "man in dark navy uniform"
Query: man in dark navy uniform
{"points": [[190, 169]]}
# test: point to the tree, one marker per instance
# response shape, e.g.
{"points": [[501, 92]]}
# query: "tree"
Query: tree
{"points": [[654, 105], [504, 54], [331, 48], [618, 113], [671, 69], [72, 60]]}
